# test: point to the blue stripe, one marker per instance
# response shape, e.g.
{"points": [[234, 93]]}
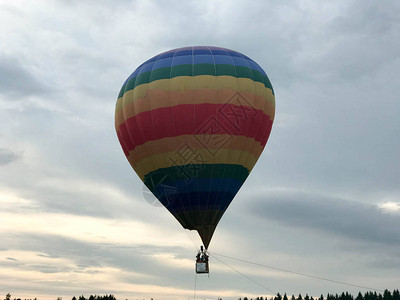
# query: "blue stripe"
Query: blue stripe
{"points": [[162, 63], [201, 51], [166, 55], [135, 73], [188, 60], [182, 60], [185, 56], [238, 61], [203, 59], [220, 52], [223, 60], [146, 67], [183, 53], [255, 66], [221, 185], [237, 54]]}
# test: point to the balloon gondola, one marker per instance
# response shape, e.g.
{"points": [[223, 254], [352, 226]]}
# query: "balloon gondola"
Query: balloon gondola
{"points": [[202, 261], [192, 123]]}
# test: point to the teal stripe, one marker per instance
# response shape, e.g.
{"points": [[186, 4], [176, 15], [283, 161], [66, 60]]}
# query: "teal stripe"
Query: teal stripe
{"points": [[195, 70], [122, 91], [186, 172], [211, 184]]}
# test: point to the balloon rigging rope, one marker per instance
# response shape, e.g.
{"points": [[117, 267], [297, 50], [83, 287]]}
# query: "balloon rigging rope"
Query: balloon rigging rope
{"points": [[248, 277], [195, 245], [296, 273]]}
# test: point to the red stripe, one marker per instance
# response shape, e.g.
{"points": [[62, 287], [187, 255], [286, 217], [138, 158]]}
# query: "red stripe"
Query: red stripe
{"points": [[192, 119], [124, 139]]}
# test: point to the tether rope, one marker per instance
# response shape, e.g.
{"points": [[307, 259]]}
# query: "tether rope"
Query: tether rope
{"points": [[195, 286], [249, 278], [298, 273]]}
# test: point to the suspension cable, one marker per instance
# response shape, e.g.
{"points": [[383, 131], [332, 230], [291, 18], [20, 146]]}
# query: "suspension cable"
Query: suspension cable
{"points": [[298, 273], [249, 278], [195, 244]]}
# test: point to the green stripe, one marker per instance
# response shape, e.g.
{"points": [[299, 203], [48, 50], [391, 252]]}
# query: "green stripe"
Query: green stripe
{"points": [[122, 91], [202, 171], [195, 70]]}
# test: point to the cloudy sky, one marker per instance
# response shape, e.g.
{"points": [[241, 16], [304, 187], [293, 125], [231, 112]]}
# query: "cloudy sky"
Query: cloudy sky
{"points": [[324, 198]]}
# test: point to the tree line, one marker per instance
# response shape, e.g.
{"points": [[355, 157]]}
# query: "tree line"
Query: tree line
{"points": [[91, 297], [387, 295]]}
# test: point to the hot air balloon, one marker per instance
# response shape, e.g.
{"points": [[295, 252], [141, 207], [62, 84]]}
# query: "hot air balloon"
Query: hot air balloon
{"points": [[192, 123]]}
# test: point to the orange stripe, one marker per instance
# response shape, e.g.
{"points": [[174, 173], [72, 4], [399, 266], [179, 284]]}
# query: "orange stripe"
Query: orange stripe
{"points": [[182, 83]]}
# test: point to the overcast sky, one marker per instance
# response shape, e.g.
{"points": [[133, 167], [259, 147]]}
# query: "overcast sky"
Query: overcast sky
{"points": [[323, 199]]}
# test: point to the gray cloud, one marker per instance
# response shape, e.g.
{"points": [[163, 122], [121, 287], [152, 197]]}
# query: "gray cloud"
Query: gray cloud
{"points": [[347, 46], [11, 258], [87, 255], [354, 220], [8, 156], [335, 69], [16, 81]]}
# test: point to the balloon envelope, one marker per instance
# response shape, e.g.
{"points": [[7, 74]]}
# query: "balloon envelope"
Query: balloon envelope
{"points": [[192, 123]]}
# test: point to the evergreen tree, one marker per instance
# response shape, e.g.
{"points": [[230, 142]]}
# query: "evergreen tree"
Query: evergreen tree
{"points": [[387, 295], [360, 296], [396, 295], [299, 297]]}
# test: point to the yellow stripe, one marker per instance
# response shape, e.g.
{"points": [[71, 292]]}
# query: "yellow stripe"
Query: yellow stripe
{"points": [[170, 159], [185, 144], [183, 83]]}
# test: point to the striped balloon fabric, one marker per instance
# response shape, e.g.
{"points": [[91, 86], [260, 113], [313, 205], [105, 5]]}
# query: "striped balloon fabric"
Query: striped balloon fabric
{"points": [[192, 123]]}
